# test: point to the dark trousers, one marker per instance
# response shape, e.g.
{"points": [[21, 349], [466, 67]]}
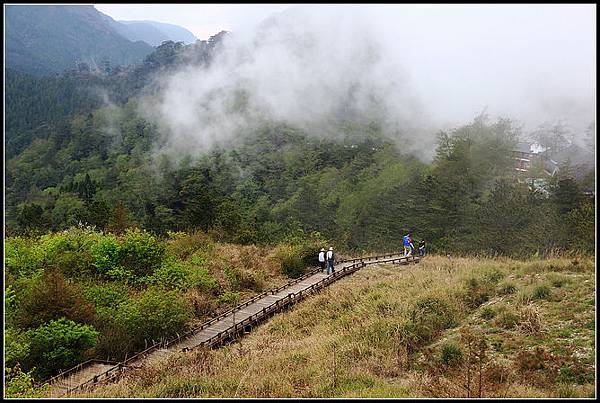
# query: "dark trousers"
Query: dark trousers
{"points": [[330, 268], [322, 265]]}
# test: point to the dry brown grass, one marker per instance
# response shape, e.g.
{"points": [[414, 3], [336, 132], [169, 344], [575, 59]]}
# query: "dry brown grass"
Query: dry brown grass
{"points": [[531, 320], [256, 263], [352, 339]]}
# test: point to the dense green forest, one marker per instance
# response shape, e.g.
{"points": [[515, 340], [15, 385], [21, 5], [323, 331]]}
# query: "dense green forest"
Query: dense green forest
{"points": [[102, 232], [361, 192]]}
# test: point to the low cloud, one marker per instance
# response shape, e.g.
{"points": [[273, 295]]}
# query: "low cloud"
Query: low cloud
{"points": [[413, 70]]}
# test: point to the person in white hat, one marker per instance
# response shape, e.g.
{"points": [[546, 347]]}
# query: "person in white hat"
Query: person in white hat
{"points": [[330, 258], [322, 259]]}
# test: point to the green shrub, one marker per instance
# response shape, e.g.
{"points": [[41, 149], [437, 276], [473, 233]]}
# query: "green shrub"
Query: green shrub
{"points": [[198, 260], [69, 251], [59, 344], [229, 298], [124, 275], [170, 275], [233, 276], [488, 313], [308, 251], [19, 384], [20, 257], [451, 354], [306, 246], [201, 279], [153, 315], [107, 295], [141, 252], [507, 288], [138, 255], [16, 346], [541, 292], [106, 253], [10, 304], [179, 275], [51, 245], [294, 258]]}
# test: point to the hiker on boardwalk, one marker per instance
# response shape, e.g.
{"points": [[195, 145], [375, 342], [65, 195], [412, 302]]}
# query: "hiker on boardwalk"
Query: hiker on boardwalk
{"points": [[322, 259], [408, 245], [330, 259], [422, 249]]}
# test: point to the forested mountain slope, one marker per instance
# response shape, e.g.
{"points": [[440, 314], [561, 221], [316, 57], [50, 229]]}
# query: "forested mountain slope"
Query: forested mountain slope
{"points": [[44, 39], [80, 150], [33, 103]]}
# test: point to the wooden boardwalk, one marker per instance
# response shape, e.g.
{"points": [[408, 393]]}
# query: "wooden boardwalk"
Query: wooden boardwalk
{"points": [[227, 326], [83, 374]]}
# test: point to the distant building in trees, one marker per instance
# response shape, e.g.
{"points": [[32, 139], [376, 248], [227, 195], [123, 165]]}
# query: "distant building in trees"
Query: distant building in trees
{"points": [[526, 155], [537, 163]]}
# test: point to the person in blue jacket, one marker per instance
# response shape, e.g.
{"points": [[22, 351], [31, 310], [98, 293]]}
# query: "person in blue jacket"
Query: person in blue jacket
{"points": [[408, 245]]}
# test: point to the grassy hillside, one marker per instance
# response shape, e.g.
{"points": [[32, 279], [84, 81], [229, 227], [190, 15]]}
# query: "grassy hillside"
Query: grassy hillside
{"points": [[448, 327]]}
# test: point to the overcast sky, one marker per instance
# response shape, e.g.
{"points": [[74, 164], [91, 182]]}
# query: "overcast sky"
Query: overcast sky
{"points": [[532, 62], [203, 20]]}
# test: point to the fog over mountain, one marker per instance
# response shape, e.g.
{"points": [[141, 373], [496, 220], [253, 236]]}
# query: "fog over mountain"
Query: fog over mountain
{"points": [[414, 69], [154, 33]]}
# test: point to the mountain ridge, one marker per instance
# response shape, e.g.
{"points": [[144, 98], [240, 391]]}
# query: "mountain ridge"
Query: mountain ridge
{"points": [[46, 39], [155, 33]]}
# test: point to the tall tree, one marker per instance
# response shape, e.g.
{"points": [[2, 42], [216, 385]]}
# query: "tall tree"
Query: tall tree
{"points": [[87, 188], [120, 219]]}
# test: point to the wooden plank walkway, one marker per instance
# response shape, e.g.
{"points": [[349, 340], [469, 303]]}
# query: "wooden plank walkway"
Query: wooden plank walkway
{"points": [[63, 384], [225, 327]]}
